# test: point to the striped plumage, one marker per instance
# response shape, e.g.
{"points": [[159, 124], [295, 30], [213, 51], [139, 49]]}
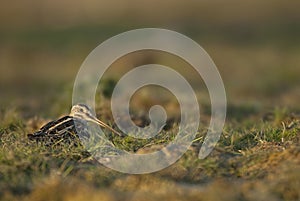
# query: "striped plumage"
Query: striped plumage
{"points": [[64, 129]]}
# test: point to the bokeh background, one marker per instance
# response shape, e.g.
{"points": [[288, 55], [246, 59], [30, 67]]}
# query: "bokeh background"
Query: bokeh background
{"points": [[255, 44]]}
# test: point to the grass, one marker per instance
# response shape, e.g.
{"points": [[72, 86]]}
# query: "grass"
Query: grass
{"points": [[253, 159]]}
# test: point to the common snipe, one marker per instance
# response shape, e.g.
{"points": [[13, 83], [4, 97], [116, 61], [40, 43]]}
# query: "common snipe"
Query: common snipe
{"points": [[68, 128]]}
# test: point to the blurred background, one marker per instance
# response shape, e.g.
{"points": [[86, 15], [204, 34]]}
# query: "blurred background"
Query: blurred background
{"points": [[255, 45]]}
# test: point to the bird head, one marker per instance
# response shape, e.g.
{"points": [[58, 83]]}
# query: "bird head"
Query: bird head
{"points": [[83, 112]]}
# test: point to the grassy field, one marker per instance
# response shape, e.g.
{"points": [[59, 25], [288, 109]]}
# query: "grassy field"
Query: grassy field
{"points": [[257, 158], [256, 49]]}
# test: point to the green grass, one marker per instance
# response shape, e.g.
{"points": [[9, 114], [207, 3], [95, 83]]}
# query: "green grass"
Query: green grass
{"points": [[250, 153]]}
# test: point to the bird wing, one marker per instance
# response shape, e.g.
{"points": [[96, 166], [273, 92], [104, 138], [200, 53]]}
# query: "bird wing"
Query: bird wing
{"points": [[52, 124], [56, 127]]}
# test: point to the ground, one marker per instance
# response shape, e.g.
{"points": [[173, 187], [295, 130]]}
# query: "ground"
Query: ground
{"points": [[255, 159]]}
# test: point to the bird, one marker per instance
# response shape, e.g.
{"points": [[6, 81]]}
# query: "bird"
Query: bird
{"points": [[68, 128]]}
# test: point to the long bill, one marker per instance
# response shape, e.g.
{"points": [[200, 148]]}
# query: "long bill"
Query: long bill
{"points": [[104, 125]]}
